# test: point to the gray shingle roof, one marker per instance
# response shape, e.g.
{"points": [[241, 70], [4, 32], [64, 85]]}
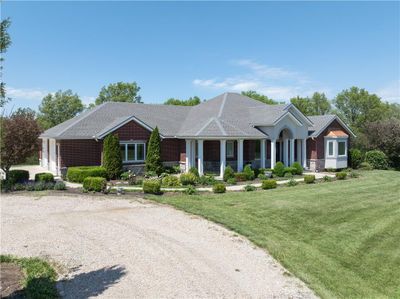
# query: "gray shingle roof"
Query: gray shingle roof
{"points": [[320, 122]]}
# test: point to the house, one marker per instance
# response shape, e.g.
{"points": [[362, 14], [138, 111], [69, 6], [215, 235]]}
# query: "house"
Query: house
{"points": [[230, 129]]}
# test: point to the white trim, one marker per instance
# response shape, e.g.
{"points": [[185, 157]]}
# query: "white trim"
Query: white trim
{"points": [[335, 117], [328, 155], [273, 153], [345, 148], [200, 157], [288, 113], [222, 153], [310, 123], [136, 143], [240, 155]]}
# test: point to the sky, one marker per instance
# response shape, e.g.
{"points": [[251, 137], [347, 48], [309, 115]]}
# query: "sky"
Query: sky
{"points": [[183, 49]]}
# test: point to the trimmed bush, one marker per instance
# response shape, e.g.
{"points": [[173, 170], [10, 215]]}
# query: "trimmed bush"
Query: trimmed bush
{"points": [[44, 177], [268, 184], [249, 188], [18, 176], [19, 187], [97, 184], [365, 166], [194, 171], [228, 173], [309, 179], [112, 161], [327, 178], [250, 175], [279, 169], [207, 180], [240, 177], [153, 158], [219, 188], [290, 170], [188, 179], [231, 181], [79, 173], [377, 159], [170, 181], [152, 186], [288, 175], [190, 190], [40, 186], [292, 183], [341, 175], [356, 158], [262, 176], [60, 186], [297, 168]]}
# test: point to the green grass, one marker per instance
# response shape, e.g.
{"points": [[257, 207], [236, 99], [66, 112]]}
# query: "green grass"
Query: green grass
{"points": [[342, 238], [40, 277]]}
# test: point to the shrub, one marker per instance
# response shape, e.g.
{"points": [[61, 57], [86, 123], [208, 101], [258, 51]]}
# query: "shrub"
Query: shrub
{"points": [[298, 169], [125, 175], [231, 181], [279, 169], [240, 176], [356, 158], [112, 161], [79, 173], [44, 177], [262, 176], [268, 184], [172, 169], [18, 176], [188, 179], [291, 170], [5, 185], [288, 175], [292, 183], [60, 186], [327, 178], [170, 181], [152, 186], [341, 175], [190, 190], [365, 166], [19, 187], [40, 186], [153, 158], [97, 184], [30, 187], [249, 188], [219, 188], [150, 174], [309, 179], [194, 171], [377, 159], [228, 173], [250, 175], [207, 180]]}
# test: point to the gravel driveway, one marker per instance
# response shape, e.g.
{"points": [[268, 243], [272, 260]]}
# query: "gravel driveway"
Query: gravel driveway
{"points": [[131, 248]]}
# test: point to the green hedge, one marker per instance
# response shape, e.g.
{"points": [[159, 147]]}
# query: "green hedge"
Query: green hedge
{"points": [[188, 179], [44, 177], [219, 188], [97, 184], [152, 186], [240, 177], [228, 173], [170, 181], [279, 169], [79, 173], [250, 175], [341, 175], [268, 184], [298, 168], [377, 159], [309, 178], [18, 176]]}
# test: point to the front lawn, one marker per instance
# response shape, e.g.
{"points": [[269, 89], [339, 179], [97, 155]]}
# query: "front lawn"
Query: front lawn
{"points": [[342, 238]]}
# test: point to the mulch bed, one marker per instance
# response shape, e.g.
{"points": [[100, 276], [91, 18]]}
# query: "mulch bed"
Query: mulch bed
{"points": [[11, 277]]}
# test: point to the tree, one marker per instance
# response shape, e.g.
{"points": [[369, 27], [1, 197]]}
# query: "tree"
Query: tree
{"points": [[119, 92], [112, 161], [318, 104], [153, 159], [19, 138], [303, 104], [192, 101], [5, 42], [59, 107], [259, 97]]}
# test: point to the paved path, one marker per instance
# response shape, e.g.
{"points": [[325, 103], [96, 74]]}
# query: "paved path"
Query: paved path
{"points": [[131, 248]]}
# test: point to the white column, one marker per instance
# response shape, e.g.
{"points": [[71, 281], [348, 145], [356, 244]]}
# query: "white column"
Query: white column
{"points": [[285, 151], [222, 151], [299, 151], [262, 153], [304, 152], [273, 153], [240, 155], [188, 159], [291, 152], [200, 157], [193, 154]]}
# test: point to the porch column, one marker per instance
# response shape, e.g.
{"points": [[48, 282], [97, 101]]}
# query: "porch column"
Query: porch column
{"points": [[262, 152], [193, 155], [298, 157], [200, 157], [304, 152], [188, 159], [222, 153], [273, 153], [285, 151], [291, 161], [280, 150], [240, 155]]}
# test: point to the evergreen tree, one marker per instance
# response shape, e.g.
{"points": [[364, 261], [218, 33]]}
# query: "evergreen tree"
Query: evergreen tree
{"points": [[112, 161], [153, 159]]}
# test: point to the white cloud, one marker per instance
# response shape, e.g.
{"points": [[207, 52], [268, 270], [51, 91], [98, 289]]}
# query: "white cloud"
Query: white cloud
{"points": [[390, 92], [276, 82], [26, 93]]}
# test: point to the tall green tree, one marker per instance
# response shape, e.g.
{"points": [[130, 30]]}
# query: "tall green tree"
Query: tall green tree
{"points": [[318, 104], [5, 42], [59, 107], [303, 104], [192, 101], [259, 97], [153, 158], [119, 92], [112, 160]]}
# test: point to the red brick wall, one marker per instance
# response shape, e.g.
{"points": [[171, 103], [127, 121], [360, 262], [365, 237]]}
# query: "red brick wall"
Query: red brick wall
{"points": [[80, 152], [132, 131], [171, 149]]}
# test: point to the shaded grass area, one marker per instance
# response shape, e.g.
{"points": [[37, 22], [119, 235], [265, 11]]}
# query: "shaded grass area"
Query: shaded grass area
{"points": [[342, 238], [40, 277]]}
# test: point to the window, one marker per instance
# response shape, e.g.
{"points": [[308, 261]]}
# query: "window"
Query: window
{"points": [[230, 151], [133, 152], [342, 148], [330, 149]]}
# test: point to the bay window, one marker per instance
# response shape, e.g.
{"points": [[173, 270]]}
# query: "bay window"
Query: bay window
{"points": [[133, 151]]}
